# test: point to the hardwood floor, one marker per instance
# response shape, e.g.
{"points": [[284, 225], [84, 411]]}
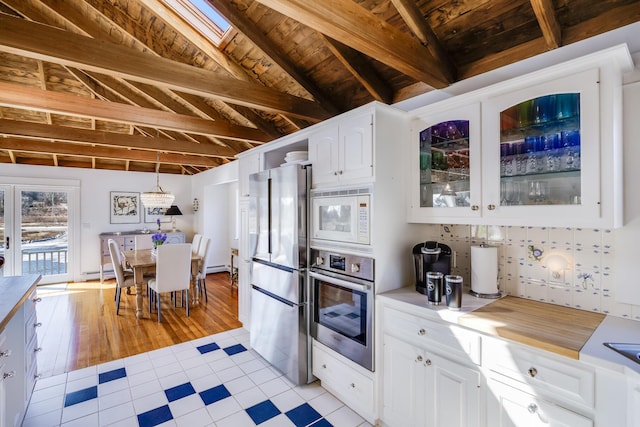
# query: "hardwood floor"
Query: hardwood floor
{"points": [[80, 327]]}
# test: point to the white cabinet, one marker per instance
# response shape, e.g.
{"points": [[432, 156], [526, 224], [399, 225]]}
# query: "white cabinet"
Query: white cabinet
{"points": [[512, 407], [430, 377], [349, 382], [247, 165], [342, 152], [540, 150]]}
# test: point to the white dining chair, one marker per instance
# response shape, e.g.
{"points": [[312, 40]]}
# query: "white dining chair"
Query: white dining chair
{"points": [[201, 277], [173, 273], [195, 243], [123, 279], [143, 242]]}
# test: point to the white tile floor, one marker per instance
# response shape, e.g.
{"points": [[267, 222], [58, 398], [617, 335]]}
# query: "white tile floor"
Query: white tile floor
{"points": [[213, 381]]}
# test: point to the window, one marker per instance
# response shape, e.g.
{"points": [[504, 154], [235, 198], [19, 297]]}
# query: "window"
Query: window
{"points": [[202, 16]]}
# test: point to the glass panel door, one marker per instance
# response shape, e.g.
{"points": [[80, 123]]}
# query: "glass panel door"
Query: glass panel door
{"points": [[5, 224], [540, 151], [44, 233]]}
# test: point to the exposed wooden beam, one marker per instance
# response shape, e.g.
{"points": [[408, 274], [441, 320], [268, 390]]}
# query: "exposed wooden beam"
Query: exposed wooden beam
{"points": [[546, 16], [242, 24], [358, 65], [38, 41], [412, 16], [17, 96], [84, 150], [108, 139], [353, 25]]}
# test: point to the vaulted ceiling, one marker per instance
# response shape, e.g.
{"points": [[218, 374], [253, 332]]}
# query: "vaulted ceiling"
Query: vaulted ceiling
{"points": [[128, 85]]}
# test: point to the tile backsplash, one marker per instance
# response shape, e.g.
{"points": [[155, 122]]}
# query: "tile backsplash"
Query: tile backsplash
{"points": [[573, 267]]}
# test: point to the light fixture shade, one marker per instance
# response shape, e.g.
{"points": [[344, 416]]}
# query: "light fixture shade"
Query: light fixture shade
{"points": [[173, 210], [157, 199]]}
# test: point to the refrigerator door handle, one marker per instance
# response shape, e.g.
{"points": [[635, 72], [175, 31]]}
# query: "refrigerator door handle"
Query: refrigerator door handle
{"points": [[274, 296], [269, 217]]}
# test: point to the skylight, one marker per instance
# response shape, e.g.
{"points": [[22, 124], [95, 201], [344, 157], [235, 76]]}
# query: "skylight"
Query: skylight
{"points": [[202, 16]]}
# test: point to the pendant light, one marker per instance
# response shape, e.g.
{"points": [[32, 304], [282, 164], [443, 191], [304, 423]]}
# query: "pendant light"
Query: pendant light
{"points": [[157, 198]]}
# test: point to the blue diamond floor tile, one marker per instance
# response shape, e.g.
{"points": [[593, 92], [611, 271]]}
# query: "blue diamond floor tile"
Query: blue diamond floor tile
{"points": [[263, 411], [111, 375], [303, 415], [234, 349], [155, 417], [214, 394], [180, 391], [81, 396], [208, 348]]}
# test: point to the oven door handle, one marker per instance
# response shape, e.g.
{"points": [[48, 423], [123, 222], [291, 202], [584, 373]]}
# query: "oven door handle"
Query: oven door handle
{"points": [[340, 282]]}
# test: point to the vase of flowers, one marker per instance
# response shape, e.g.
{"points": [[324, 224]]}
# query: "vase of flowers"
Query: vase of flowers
{"points": [[157, 238]]}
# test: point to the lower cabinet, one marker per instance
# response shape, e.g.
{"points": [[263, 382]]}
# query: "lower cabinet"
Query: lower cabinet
{"points": [[422, 388], [510, 407], [352, 384]]}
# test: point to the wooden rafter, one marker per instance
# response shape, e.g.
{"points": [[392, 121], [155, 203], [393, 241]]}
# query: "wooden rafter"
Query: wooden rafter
{"points": [[359, 66], [25, 97], [34, 40], [546, 16], [108, 139], [358, 28]]}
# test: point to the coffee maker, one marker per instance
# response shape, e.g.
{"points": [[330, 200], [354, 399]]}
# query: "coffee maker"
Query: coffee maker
{"points": [[430, 256]]}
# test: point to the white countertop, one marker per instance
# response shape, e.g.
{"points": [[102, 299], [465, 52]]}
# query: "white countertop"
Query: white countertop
{"points": [[612, 329]]}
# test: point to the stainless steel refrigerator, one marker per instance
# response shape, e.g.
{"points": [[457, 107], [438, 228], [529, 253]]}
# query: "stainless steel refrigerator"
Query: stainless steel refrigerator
{"points": [[278, 230]]}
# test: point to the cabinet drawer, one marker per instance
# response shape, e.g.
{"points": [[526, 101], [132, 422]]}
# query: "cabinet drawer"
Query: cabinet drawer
{"points": [[425, 333], [129, 243], [31, 352], [30, 305], [548, 375], [30, 327], [353, 388]]}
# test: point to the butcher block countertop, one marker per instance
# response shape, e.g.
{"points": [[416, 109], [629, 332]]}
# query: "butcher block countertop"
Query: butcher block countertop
{"points": [[550, 327]]}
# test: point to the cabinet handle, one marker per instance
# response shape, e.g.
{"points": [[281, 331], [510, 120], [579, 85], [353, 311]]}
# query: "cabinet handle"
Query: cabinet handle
{"points": [[336, 173], [419, 359], [532, 408], [427, 362], [37, 300], [340, 172], [422, 332], [491, 207], [35, 350], [352, 385], [37, 325], [532, 372], [8, 375], [5, 353], [324, 366], [475, 207]]}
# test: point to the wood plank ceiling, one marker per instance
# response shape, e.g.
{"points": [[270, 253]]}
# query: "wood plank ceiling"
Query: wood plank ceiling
{"points": [[128, 85]]}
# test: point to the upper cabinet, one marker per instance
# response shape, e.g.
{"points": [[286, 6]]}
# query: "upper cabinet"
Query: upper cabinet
{"points": [[342, 153], [540, 150]]}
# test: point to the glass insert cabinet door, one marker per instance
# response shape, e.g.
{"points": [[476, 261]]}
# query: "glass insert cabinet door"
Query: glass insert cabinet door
{"points": [[447, 161], [540, 151]]}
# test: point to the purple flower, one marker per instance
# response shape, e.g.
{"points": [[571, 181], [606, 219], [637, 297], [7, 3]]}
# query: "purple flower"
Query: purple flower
{"points": [[158, 238]]}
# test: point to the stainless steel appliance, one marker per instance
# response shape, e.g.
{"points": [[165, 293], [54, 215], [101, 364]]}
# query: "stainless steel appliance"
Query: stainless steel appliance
{"points": [[430, 256], [342, 298], [279, 294]]}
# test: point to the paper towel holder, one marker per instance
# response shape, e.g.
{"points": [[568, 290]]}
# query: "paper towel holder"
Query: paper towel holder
{"points": [[483, 293]]}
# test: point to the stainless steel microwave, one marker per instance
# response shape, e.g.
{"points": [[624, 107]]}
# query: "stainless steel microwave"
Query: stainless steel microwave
{"points": [[342, 216]]}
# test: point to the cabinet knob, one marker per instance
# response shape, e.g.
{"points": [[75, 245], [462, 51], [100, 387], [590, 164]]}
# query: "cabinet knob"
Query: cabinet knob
{"points": [[336, 173], [324, 366], [353, 385], [37, 349], [36, 300], [491, 207], [475, 207], [422, 332], [37, 325], [339, 172], [532, 372], [532, 408], [419, 359], [8, 375], [5, 353], [427, 362]]}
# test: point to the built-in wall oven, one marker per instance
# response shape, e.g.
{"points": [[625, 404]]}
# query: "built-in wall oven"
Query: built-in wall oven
{"points": [[342, 304]]}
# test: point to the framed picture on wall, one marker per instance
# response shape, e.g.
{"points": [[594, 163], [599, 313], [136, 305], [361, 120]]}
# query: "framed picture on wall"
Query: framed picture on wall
{"points": [[125, 207], [153, 214]]}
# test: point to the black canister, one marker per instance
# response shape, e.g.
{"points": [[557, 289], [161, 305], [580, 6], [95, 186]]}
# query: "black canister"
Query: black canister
{"points": [[435, 281], [453, 291]]}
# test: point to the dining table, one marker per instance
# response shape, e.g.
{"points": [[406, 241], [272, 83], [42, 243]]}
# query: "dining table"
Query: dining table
{"points": [[143, 261]]}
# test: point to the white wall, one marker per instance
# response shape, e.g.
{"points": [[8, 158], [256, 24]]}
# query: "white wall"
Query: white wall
{"points": [[95, 186]]}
